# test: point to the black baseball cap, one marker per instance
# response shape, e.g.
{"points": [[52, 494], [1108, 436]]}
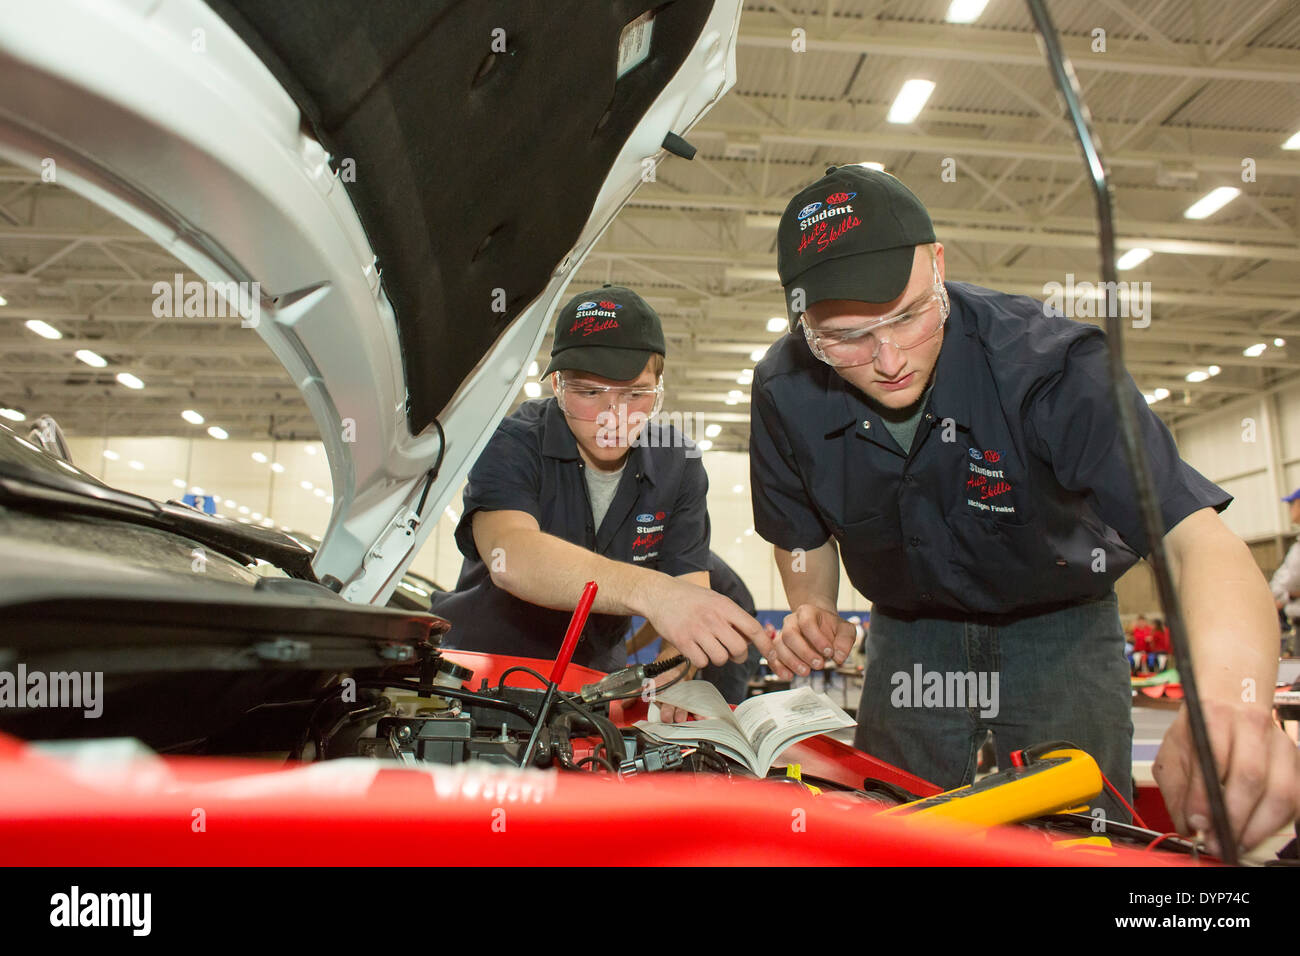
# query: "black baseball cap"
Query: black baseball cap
{"points": [[850, 235], [610, 331]]}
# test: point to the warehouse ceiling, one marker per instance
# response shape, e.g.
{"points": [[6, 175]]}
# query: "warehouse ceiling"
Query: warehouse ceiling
{"points": [[1186, 95]]}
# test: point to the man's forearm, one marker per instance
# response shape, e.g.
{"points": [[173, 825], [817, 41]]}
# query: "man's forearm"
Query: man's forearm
{"points": [[548, 571], [810, 577], [1230, 616]]}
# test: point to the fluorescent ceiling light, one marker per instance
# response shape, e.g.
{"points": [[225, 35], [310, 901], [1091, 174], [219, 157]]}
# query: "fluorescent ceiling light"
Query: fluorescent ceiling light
{"points": [[1134, 257], [277, 467], [1214, 370], [1255, 351], [216, 431], [259, 457], [737, 489], [305, 485], [1279, 342], [757, 354], [43, 329], [1149, 398], [704, 444], [309, 449], [136, 465], [3, 301], [13, 414], [965, 11], [1197, 376], [1212, 202], [114, 456], [91, 358], [129, 380], [1292, 143], [777, 323], [532, 370], [910, 101], [178, 482], [712, 431], [879, 167], [532, 389], [1161, 394], [319, 492], [193, 417]]}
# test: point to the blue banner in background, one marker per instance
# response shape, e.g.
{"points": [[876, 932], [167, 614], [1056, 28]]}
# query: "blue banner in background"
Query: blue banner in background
{"points": [[205, 503]]}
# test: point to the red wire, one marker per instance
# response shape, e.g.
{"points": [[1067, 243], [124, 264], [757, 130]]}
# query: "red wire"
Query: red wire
{"points": [[1157, 841], [1136, 819]]}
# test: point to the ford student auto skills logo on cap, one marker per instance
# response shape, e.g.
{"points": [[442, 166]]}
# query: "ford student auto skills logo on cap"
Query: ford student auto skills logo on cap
{"points": [[826, 226], [587, 316]]}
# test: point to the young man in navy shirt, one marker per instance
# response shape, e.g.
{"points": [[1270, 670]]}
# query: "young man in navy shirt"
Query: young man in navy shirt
{"points": [[957, 449], [587, 486]]}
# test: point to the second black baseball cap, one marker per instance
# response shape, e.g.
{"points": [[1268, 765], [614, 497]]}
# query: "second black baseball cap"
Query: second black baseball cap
{"points": [[850, 235], [610, 332]]}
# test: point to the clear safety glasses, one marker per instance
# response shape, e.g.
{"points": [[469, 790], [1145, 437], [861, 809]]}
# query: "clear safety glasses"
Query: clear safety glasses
{"points": [[587, 401], [847, 348]]}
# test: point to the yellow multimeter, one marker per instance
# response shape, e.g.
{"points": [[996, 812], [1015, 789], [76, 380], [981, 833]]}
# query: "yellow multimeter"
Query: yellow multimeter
{"points": [[1052, 778]]}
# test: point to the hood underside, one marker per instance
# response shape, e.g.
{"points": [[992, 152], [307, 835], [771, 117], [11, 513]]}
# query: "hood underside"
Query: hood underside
{"points": [[481, 134], [411, 186]]}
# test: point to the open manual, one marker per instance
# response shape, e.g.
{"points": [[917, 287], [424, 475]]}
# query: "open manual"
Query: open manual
{"points": [[758, 731]]}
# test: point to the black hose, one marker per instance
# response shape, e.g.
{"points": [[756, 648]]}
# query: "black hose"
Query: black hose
{"points": [[377, 708], [1068, 86]]}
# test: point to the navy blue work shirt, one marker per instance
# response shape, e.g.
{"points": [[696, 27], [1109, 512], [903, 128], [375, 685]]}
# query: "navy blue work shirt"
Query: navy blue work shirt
{"points": [[657, 519], [1014, 498]]}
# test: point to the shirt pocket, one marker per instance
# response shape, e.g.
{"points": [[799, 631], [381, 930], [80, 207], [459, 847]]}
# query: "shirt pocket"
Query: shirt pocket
{"points": [[871, 549]]}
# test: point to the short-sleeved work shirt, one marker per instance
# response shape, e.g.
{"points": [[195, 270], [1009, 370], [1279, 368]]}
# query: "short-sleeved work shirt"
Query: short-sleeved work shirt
{"points": [[658, 519], [1015, 496]]}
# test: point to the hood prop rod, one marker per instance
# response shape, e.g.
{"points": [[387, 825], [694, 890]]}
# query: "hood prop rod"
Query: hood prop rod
{"points": [[576, 624]]}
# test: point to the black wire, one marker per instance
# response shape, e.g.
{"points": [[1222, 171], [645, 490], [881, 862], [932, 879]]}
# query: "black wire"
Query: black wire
{"points": [[501, 682], [609, 734], [376, 708], [596, 759], [437, 466], [1068, 87]]}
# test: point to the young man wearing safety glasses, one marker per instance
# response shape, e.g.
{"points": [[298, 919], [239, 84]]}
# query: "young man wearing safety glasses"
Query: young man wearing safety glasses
{"points": [[957, 449], [587, 486]]}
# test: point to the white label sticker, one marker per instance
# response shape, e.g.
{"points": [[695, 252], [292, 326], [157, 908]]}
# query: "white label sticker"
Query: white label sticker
{"points": [[634, 43]]}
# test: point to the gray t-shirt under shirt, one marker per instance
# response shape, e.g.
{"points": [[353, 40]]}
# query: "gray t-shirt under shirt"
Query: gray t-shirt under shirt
{"points": [[601, 486], [904, 429]]}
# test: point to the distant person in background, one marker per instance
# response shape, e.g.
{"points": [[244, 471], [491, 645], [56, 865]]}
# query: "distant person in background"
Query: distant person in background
{"points": [[1141, 637], [1158, 646], [1285, 583]]}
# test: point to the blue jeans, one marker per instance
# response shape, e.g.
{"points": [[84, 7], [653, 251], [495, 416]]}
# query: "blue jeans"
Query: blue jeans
{"points": [[732, 679], [1059, 676]]}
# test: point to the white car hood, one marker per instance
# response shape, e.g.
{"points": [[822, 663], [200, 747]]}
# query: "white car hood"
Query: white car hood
{"points": [[205, 151]]}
